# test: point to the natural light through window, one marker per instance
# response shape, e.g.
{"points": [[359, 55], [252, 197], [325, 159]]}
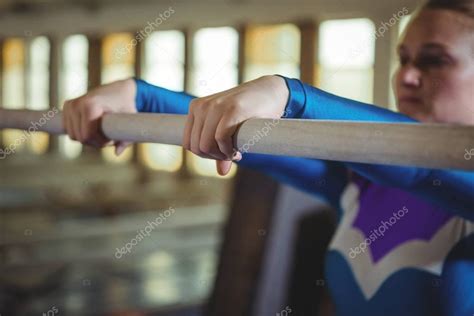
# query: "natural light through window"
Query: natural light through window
{"points": [[118, 60], [346, 58], [13, 86], [215, 63], [395, 62], [38, 88], [164, 66], [73, 82], [272, 49]]}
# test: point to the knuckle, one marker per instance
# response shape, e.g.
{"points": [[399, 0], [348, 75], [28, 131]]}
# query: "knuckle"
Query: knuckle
{"points": [[237, 103], [91, 111], [87, 135], [220, 136], [68, 105], [195, 149], [87, 101], [206, 147], [195, 103], [220, 100]]}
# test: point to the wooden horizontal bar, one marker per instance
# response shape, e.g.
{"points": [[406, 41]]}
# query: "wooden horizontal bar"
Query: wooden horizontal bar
{"points": [[408, 144]]}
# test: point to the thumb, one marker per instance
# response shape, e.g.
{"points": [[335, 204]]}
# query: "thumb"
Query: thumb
{"points": [[120, 147], [223, 166]]}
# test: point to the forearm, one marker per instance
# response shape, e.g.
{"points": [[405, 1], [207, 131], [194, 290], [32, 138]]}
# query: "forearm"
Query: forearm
{"points": [[456, 189], [153, 99], [308, 102], [305, 174], [326, 179]]}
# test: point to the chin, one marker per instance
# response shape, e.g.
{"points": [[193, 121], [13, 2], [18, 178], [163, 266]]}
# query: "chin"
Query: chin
{"points": [[414, 110], [416, 115]]}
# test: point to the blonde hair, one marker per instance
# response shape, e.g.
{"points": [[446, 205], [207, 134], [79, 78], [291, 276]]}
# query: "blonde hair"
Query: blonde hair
{"points": [[465, 7]]}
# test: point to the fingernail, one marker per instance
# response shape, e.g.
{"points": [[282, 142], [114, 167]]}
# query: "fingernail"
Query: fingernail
{"points": [[119, 150], [237, 156]]}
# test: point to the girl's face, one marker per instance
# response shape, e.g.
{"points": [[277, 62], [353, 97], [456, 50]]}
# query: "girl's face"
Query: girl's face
{"points": [[435, 78]]}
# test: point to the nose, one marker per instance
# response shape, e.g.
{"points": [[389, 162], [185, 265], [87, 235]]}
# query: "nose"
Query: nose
{"points": [[410, 76]]}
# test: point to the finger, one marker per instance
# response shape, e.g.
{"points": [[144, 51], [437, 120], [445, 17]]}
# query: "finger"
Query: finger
{"points": [[224, 134], [71, 131], [237, 156], [208, 145], [120, 147], [196, 136], [90, 129], [76, 124], [66, 123], [188, 127], [95, 144], [223, 167]]}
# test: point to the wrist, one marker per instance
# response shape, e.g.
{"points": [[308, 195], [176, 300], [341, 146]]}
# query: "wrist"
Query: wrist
{"points": [[281, 91], [296, 99], [138, 92]]}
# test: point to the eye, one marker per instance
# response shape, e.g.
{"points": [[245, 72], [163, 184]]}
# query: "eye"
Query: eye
{"points": [[431, 61], [403, 60]]}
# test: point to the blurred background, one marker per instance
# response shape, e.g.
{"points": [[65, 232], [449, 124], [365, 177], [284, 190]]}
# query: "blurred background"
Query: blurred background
{"points": [[235, 245]]}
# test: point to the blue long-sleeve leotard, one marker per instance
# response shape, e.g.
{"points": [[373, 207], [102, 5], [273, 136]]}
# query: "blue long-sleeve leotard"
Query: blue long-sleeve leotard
{"points": [[456, 192], [439, 201]]}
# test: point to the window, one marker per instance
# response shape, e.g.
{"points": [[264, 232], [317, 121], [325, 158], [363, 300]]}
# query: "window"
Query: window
{"points": [[164, 66], [346, 58], [214, 69], [215, 60], [73, 82], [273, 49], [14, 87], [118, 59], [394, 62], [38, 88], [403, 24]]}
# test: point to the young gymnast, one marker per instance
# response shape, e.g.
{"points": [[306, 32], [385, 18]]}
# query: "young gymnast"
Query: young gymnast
{"points": [[404, 244]]}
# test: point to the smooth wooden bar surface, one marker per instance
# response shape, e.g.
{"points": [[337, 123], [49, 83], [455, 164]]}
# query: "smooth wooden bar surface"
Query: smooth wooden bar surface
{"points": [[411, 144]]}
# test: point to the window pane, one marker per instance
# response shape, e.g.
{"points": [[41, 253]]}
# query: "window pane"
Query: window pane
{"points": [[164, 59], [164, 67], [346, 58], [73, 82], [394, 62], [14, 88], [38, 88], [404, 23], [215, 60], [118, 57], [214, 69], [272, 50]]}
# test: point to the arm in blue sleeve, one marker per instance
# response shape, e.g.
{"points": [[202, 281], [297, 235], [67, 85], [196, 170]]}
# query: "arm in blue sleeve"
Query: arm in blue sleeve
{"points": [[453, 190], [325, 179], [153, 99]]}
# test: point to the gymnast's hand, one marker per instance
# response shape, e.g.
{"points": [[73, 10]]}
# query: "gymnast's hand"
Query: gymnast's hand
{"points": [[213, 120], [81, 116]]}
